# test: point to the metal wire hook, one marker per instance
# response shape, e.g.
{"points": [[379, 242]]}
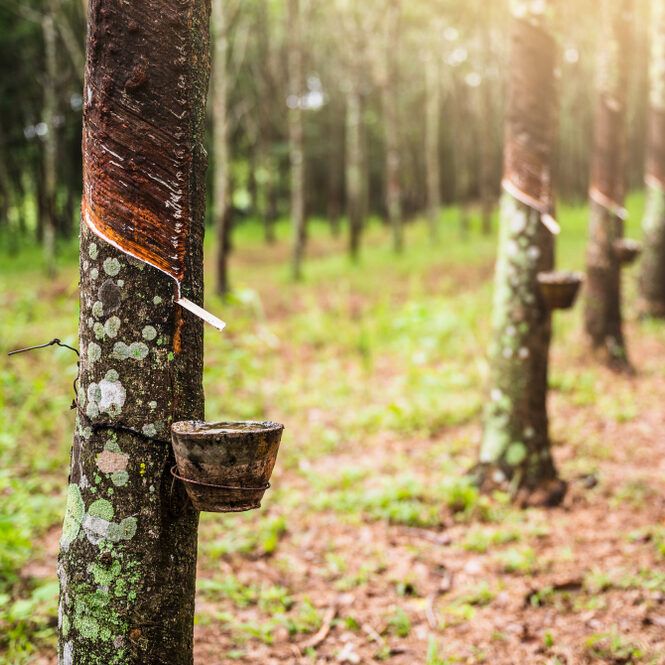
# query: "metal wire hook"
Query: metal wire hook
{"points": [[53, 342]]}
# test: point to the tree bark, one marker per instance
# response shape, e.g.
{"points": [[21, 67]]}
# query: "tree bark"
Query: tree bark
{"points": [[296, 137], [335, 161], [652, 277], [603, 317], [354, 170], [50, 140], [390, 94], [432, 155], [127, 563], [220, 121], [515, 447]]}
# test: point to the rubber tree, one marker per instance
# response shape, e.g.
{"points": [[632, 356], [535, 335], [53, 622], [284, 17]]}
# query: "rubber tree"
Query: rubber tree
{"points": [[390, 97], [50, 155], [652, 277], [603, 317], [297, 135], [220, 120], [432, 132], [354, 172], [515, 448], [127, 563]]}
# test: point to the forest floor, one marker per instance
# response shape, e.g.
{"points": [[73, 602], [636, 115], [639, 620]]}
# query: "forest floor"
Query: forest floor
{"points": [[371, 547]]}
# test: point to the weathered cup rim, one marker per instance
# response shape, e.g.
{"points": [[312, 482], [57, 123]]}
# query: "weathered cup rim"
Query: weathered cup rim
{"points": [[227, 428]]}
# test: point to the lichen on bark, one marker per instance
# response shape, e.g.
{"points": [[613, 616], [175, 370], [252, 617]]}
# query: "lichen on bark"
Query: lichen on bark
{"points": [[128, 548], [515, 448]]}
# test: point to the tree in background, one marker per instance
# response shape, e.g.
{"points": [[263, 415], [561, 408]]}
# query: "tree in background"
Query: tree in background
{"points": [[515, 446], [50, 166], [603, 318], [652, 278], [432, 139], [222, 208], [296, 135], [390, 95], [127, 563]]}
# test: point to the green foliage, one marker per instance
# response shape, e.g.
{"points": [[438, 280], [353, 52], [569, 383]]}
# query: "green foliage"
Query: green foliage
{"points": [[399, 623], [612, 647], [520, 561]]}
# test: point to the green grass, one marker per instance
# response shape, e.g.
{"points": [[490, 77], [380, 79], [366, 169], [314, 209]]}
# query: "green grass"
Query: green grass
{"points": [[390, 349]]}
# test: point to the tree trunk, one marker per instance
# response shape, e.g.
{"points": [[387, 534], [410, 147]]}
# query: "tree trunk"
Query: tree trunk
{"points": [[464, 144], [603, 318], [296, 137], [515, 447], [127, 564], [432, 124], [50, 140], [220, 122], [335, 160], [354, 173], [267, 208], [652, 277], [487, 185], [390, 94]]}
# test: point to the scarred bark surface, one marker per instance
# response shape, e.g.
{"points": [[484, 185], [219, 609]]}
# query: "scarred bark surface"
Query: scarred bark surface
{"points": [[652, 277], [516, 446], [603, 318], [128, 548]]}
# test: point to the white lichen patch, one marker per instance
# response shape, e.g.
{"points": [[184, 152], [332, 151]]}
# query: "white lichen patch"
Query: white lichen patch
{"points": [[94, 273], [149, 333], [112, 327], [68, 654], [73, 517], [149, 430], [93, 251], [136, 351], [94, 352], [107, 396], [157, 300], [112, 267], [98, 330]]}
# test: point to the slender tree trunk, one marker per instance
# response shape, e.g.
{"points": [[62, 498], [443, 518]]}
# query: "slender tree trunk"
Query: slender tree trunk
{"points": [[5, 183], [220, 119], [266, 205], [127, 564], [354, 172], [652, 277], [390, 94], [51, 139], [296, 137], [603, 318], [464, 146], [432, 125], [487, 186], [272, 189], [335, 160], [515, 446]]}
